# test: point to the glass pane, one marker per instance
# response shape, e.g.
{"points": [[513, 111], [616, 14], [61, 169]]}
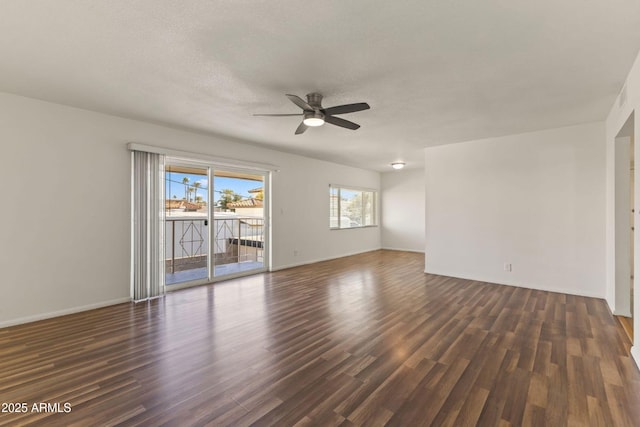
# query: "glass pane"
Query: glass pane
{"points": [[186, 225], [367, 205], [238, 221], [333, 207], [351, 208]]}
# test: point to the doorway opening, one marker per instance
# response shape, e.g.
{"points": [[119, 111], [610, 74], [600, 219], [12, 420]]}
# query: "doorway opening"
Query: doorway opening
{"points": [[625, 225], [215, 223]]}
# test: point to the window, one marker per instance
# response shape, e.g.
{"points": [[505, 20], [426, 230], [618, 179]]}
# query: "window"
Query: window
{"points": [[351, 208]]}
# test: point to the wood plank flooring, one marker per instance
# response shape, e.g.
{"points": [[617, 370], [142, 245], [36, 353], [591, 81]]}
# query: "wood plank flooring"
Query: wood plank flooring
{"points": [[627, 325], [364, 340]]}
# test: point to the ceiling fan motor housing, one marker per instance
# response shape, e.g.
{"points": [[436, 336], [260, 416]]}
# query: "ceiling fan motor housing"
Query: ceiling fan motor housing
{"points": [[314, 100]]}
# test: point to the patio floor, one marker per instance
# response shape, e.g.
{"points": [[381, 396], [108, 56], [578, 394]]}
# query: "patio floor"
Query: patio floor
{"points": [[219, 271]]}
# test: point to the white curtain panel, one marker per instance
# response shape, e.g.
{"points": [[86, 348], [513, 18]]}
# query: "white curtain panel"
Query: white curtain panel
{"points": [[148, 257]]}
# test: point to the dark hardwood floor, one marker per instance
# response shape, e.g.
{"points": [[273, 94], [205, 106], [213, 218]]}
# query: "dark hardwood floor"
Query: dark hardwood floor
{"points": [[364, 340]]}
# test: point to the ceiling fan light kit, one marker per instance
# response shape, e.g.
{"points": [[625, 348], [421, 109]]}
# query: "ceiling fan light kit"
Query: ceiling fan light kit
{"points": [[315, 115], [313, 118]]}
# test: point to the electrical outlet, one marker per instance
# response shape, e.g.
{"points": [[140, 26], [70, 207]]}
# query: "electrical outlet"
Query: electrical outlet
{"points": [[507, 266]]}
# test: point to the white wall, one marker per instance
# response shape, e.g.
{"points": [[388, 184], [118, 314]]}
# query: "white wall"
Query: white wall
{"points": [[402, 196], [533, 200], [65, 217], [621, 110]]}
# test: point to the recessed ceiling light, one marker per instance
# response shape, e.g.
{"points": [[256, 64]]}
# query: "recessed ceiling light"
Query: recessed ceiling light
{"points": [[398, 165]]}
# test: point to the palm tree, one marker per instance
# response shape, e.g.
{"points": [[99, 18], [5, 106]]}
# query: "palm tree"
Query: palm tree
{"points": [[185, 181], [196, 185], [191, 190]]}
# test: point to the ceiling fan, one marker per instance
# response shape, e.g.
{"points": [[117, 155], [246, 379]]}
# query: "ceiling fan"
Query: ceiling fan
{"points": [[315, 115]]}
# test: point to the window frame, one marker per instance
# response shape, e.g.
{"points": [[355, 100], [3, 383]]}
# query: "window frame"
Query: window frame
{"points": [[338, 188]]}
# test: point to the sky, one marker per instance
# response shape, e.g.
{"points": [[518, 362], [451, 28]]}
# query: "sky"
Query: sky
{"points": [[174, 185]]}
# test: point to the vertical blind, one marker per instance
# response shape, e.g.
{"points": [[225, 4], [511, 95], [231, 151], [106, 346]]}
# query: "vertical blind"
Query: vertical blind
{"points": [[148, 226]]}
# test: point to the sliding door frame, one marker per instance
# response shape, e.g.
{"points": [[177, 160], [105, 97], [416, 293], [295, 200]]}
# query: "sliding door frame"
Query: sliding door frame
{"points": [[212, 167]]}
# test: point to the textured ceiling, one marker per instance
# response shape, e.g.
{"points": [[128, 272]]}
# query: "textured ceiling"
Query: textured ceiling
{"points": [[434, 72]]}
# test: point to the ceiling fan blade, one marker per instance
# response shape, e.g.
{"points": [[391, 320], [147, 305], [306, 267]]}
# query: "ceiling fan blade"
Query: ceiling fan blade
{"points": [[300, 102], [341, 122], [278, 115], [301, 128], [348, 108]]}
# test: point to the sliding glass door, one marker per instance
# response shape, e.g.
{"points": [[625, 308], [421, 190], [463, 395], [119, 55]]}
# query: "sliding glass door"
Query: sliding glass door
{"points": [[215, 223]]}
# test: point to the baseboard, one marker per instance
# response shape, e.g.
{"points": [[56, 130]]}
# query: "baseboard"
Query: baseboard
{"points": [[623, 313], [49, 315], [566, 291], [402, 250], [635, 354], [284, 267]]}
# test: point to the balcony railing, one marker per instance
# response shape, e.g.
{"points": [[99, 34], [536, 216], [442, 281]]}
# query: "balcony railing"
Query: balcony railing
{"points": [[236, 240]]}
